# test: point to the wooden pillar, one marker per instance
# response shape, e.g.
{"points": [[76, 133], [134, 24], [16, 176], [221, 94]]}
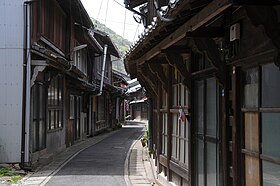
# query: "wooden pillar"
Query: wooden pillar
{"points": [[236, 128], [223, 177], [169, 122], [225, 99], [151, 123], [155, 128], [159, 124]]}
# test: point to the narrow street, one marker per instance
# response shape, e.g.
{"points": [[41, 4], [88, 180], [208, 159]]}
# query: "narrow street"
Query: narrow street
{"points": [[100, 164]]}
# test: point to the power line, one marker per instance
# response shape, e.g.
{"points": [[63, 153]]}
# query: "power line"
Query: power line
{"points": [[119, 4], [124, 23], [99, 9], [106, 11], [119, 22], [137, 29]]}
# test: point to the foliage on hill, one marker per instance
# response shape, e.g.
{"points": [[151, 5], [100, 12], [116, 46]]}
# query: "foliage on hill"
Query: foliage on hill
{"points": [[121, 43]]}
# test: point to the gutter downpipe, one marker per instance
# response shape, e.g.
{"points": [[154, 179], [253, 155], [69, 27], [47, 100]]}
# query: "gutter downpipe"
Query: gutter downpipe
{"points": [[103, 69], [26, 74]]}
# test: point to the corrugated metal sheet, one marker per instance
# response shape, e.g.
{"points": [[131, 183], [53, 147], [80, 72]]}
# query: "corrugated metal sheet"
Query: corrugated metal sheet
{"points": [[11, 60]]}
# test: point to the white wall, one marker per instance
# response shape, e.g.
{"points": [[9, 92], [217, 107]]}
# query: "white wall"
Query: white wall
{"points": [[11, 69]]}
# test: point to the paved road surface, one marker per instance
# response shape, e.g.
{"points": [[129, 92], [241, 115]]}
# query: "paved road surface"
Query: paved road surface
{"points": [[101, 164]]}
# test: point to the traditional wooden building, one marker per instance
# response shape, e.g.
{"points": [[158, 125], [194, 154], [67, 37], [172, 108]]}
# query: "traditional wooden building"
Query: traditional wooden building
{"points": [[56, 79], [119, 97], [211, 70], [103, 77], [138, 104]]}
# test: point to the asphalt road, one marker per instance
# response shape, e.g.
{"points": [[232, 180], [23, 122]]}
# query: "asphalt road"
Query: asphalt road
{"points": [[101, 164]]}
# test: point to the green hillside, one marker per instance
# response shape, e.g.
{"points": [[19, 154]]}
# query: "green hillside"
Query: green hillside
{"points": [[121, 43]]}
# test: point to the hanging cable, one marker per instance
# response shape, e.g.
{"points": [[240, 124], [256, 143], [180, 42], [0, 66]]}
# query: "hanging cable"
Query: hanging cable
{"points": [[99, 10], [106, 12], [119, 3], [124, 22], [136, 32]]}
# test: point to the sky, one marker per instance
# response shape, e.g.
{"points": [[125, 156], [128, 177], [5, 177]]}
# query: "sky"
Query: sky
{"points": [[113, 14]]}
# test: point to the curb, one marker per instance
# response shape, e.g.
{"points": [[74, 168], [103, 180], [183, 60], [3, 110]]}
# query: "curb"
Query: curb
{"points": [[126, 164]]}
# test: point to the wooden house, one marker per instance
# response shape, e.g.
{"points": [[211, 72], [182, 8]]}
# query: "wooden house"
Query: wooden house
{"points": [[56, 79], [138, 104], [102, 102], [211, 70], [119, 96]]}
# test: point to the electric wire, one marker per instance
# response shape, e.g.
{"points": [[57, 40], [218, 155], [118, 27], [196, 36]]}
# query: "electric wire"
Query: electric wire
{"points": [[119, 4], [106, 12], [124, 23], [137, 31], [99, 9]]}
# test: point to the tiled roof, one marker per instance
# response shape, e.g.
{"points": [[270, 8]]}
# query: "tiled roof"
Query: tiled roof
{"points": [[166, 13]]}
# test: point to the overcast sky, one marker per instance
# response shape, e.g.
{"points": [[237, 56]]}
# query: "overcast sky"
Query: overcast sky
{"points": [[115, 16]]}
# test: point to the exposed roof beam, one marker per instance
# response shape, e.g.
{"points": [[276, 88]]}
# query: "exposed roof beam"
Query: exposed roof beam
{"points": [[254, 2], [206, 14], [212, 53], [208, 32], [144, 82], [175, 58], [158, 71]]}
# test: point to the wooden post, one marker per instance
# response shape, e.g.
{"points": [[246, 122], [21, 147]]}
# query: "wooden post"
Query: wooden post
{"points": [[236, 128], [159, 124], [169, 122]]}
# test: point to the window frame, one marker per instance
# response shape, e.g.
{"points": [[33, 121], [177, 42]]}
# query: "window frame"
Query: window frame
{"points": [[259, 110], [179, 102], [203, 137], [55, 103]]}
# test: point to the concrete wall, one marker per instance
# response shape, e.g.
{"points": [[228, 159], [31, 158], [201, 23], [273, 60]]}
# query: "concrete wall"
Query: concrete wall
{"points": [[11, 68]]}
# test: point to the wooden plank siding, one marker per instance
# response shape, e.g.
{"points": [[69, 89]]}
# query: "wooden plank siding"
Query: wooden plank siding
{"points": [[238, 157]]}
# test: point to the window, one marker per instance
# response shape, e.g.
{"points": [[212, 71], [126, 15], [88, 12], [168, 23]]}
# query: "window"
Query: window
{"points": [[38, 113], [164, 134], [179, 139], [72, 107], [206, 132], [80, 59], [201, 62], [179, 122], [251, 90], [53, 23], [55, 103], [138, 107], [270, 86], [101, 108], [261, 125], [75, 114], [164, 124], [144, 107]]}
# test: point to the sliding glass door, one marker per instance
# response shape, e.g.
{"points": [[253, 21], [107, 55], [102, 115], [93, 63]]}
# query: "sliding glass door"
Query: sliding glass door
{"points": [[206, 136]]}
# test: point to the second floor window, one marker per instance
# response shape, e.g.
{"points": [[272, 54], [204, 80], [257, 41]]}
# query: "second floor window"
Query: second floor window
{"points": [[53, 23], [80, 60]]}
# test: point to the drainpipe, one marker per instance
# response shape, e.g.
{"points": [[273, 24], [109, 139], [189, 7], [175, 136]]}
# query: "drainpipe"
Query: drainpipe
{"points": [[103, 69], [26, 82]]}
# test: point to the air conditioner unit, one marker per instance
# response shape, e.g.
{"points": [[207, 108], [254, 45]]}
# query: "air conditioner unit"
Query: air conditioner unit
{"points": [[234, 32]]}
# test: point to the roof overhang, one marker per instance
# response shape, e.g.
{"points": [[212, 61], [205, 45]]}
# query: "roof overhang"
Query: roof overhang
{"points": [[134, 3], [165, 34], [103, 38]]}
